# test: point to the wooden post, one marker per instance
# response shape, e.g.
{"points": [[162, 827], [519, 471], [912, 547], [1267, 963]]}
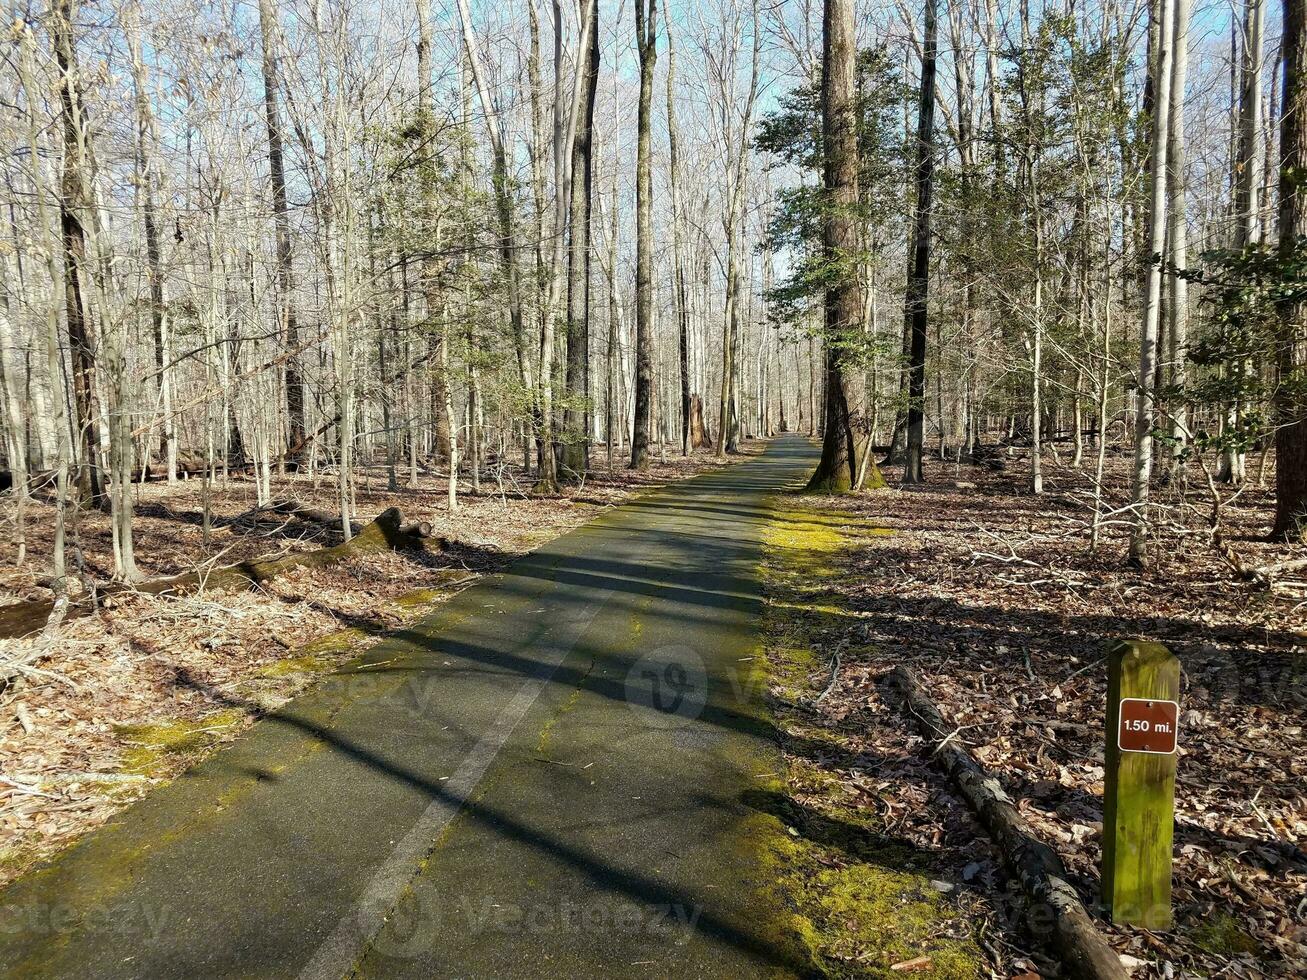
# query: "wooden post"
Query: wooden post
{"points": [[1143, 691]]}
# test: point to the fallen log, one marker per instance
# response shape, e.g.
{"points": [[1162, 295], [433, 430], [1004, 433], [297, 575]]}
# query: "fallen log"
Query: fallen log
{"points": [[250, 520], [385, 533], [310, 515], [293, 508], [421, 530], [1084, 951]]}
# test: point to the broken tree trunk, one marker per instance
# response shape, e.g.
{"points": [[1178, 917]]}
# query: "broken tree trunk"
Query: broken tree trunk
{"points": [[700, 438], [386, 532], [1065, 923]]}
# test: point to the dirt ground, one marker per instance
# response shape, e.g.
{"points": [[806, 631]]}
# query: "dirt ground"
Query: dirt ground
{"points": [[996, 600], [134, 694]]}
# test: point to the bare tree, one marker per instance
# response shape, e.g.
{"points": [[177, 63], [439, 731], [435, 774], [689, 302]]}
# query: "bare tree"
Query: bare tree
{"points": [[294, 383], [919, 271], [576, 429], [76, 209], [1247, 199], [1177, 330], [432, 266], [646, 39], [42, 194], [678, 257], [147, 175], [1145, 389]]}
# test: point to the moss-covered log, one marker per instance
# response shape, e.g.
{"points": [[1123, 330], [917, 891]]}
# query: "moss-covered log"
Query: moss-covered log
{"points": [[1056, 909], [386, 532]]}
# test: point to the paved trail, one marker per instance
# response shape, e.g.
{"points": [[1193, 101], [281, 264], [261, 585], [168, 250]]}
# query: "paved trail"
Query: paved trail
{"points": [[548, 777]]}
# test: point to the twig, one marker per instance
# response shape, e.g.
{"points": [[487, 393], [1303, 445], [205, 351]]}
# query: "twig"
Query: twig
{"points": [[835, 662], [1262, 816], [25, 789]]}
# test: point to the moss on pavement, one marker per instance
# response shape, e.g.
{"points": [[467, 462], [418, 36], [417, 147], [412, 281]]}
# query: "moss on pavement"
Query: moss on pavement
{"points": [[861, 902]]}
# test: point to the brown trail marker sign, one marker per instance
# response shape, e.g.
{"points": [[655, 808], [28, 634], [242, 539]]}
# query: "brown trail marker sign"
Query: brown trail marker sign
{"points": [[1143, 720], [1146, 725]]}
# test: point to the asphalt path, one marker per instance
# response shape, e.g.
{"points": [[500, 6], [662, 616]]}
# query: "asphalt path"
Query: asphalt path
{"points": [[550, 776]]}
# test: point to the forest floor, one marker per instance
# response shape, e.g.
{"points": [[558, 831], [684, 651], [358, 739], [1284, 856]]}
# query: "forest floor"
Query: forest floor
{"points": [[996, 600], [127, 698]]}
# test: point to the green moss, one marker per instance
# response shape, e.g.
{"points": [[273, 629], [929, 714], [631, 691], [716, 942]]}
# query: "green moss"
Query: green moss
{"points": [[1221, 934], [862, 919], [333, 643], [419, 597], [153, 749], [546, 733], [447, 580], [14, 861], [309, 664], [859, 902]]}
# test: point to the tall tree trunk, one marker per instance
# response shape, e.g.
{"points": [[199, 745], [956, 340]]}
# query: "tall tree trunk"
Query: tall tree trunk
{"points": [[611, 415], [1247, 200], [837, 471], [724, 411], [86, 275], [576, 429], [13, 411], [678, 257], [919, 272], [281, 217], [1145, 389], [76, 209], [646, 34], [1178, 240], [1291, 405], [432, 204], [1248, 170], [566, 115], [147, 175], [53, 358]]}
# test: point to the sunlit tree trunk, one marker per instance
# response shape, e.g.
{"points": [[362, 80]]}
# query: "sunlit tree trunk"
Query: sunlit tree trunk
{"points": [[14, 421], [42, 194], [678, 257], [502, 181], [1145, 390], [76, 207], [646, 36], [147, 174], [432, 203], [576, 430], [837, 470], [1177, 339]]}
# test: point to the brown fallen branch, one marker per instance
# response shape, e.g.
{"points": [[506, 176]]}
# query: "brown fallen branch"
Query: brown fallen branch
{"points": [[22, 662], [1084, 951], [385, 533]]}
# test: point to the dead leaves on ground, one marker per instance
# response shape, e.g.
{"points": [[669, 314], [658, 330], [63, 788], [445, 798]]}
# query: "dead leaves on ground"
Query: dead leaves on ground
{"points": [[995, 597]]}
